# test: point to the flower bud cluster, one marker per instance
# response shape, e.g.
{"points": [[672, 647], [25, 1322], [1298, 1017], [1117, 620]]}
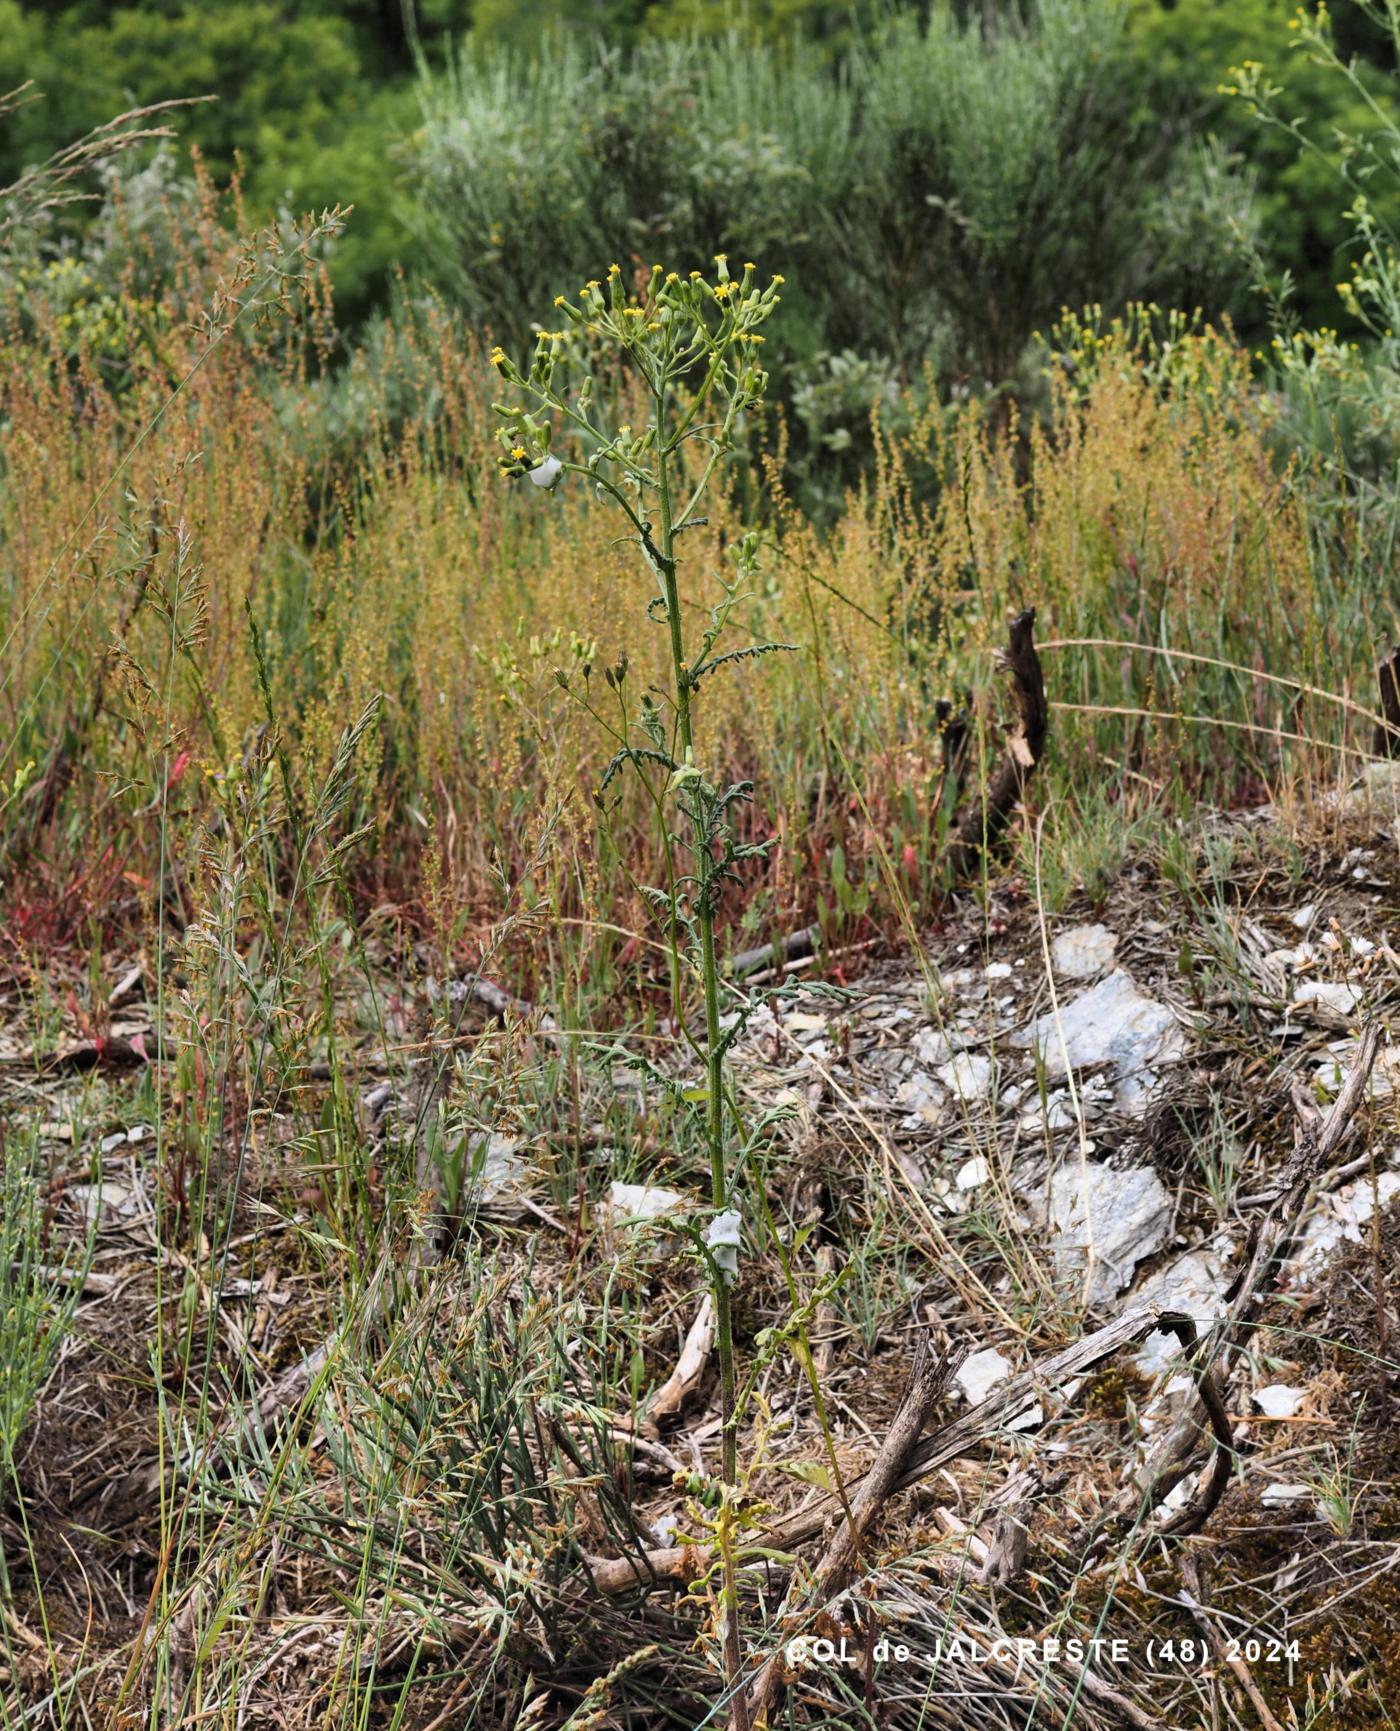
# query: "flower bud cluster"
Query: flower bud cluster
{"points": [[700, 331]]}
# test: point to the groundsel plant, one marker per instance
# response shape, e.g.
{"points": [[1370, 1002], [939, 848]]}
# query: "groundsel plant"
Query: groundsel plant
{"points": [[694, 344]]}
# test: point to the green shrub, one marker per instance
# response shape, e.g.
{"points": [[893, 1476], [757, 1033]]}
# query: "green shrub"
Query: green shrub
{"points": [[1342, 396], [949, 187], [1182, 52], [300, 105]]}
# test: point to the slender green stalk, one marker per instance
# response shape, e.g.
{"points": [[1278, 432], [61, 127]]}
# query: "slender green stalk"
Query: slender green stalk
{"points": [[714, 1065]]}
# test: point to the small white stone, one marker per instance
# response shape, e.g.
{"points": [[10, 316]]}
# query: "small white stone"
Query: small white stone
{"points": [[1132, 1094], [919, 1093], [1112, 1023], [978, 1376], [1194, 1285], [1279, 1496], [1334, 995], [1103, 1223], [1278, 1400], [932, 1046], [1081, 953], [1057, 1113], [973, 1173], [498, 1172], [998, 970], [1343, 1214], [1304, 917], [967, 1076], [641, 1204], [107, 1201]]}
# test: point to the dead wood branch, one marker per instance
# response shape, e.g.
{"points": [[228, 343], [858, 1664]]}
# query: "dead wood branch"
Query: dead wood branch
{"points": [[955, 732], [825, 1324], [1193, 1600], [949, 1442], [928, 1379], [789, 949], [1008, 1531], [982, 825], [679, 1563]]}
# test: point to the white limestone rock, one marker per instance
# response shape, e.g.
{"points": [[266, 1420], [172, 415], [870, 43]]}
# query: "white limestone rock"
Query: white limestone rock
{"points": [[1083, 952], [1194, 1284], [1102, 1223], [968, 1076], [643, 1204], [1278, 1400], [1112, 1023], [978, 1375], [1340, 1217]]}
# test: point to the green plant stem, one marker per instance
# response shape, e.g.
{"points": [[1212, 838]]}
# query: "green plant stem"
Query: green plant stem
{"points": [[714, 1065]]}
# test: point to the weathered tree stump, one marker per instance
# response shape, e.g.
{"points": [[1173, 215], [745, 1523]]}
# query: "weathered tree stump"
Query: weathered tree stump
{"points": [[982, 825], [1387, 737]]}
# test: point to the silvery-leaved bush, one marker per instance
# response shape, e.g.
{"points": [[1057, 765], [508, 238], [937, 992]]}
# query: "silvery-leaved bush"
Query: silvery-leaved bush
{"points": [[723, 1240]]}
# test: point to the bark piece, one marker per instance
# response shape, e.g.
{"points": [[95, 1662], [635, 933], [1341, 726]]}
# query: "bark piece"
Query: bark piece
{"points": [[690, 1367], [1008, 1531], [1192, 1598], [788, 949]]}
